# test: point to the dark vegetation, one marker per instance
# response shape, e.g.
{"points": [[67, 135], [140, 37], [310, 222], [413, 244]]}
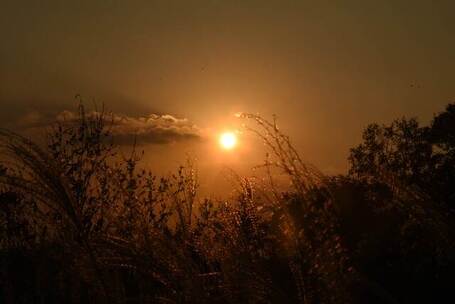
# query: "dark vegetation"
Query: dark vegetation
{"points": [[82, 223]]}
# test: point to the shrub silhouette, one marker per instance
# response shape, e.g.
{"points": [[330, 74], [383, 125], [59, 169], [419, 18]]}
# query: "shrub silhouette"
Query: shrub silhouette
{"points": [[89, 224]]}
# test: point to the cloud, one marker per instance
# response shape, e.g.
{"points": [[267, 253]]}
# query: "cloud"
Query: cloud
{"points": [[126, 130]]}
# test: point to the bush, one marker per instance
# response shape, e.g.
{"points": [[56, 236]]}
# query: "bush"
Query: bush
{"points": [[83, 223]]}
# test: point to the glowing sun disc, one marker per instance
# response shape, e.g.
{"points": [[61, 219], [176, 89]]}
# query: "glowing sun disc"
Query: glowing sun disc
{"points": [[228, 140]]}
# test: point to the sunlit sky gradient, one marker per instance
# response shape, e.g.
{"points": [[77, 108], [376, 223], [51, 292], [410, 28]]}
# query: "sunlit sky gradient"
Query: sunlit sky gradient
{"points": [[325, 69]]}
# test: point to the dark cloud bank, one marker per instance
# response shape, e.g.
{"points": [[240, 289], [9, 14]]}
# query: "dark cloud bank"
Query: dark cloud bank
{"points": [[126, 130]]}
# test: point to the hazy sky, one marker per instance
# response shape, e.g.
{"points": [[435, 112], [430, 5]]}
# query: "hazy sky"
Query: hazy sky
{"points": [[326, 68]]}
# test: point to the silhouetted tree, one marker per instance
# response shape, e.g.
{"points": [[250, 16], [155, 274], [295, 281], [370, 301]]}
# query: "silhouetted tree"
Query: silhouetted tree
{"points": [[441, 134], [82, 222], [404, 153], [414, 168]]}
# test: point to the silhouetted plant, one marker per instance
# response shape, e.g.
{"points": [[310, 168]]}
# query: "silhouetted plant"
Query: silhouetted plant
{"points": [[415, 167], [308, 221], [117, 232]]}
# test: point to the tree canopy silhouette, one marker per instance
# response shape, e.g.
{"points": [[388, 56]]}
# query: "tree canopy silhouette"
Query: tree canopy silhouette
{"points": [[406, 153]]}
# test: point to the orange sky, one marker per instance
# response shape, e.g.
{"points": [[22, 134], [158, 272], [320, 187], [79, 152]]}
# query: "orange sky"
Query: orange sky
{"points": [[325, 69]]}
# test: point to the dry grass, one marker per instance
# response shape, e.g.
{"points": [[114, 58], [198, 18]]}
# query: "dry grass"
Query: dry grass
{"points": [[134, 237]]}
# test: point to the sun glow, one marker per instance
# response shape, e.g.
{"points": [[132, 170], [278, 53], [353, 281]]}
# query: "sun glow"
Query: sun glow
{"points": [[228, 140]]}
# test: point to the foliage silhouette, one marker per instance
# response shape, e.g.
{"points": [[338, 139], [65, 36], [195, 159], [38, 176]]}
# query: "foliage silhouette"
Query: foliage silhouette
{"points": [[89, 224]]}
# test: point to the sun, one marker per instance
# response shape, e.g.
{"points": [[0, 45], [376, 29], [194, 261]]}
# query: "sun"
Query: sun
{"points": [[228, 140]]}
